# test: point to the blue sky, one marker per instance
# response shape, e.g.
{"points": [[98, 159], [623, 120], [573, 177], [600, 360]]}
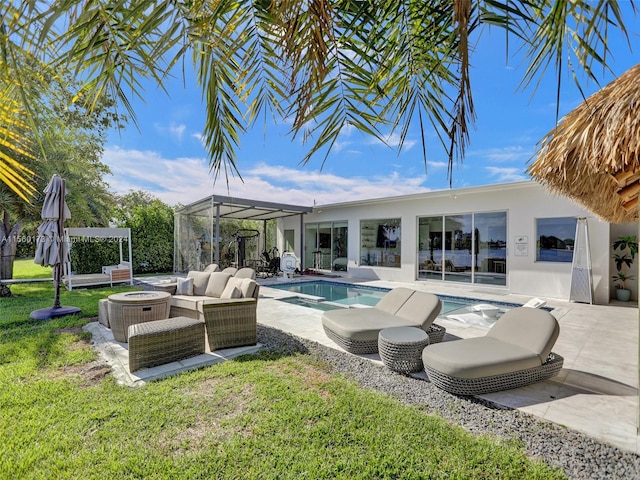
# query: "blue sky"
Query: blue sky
{"points": [[166, 157]]}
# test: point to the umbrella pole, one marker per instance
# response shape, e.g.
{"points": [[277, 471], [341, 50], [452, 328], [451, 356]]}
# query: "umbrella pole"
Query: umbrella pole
{"points": [[57, 269]]}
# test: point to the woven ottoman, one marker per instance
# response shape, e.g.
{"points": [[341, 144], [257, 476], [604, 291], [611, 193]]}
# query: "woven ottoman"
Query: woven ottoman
{"points": [[103, 312], [401, 348], [163, 341]]}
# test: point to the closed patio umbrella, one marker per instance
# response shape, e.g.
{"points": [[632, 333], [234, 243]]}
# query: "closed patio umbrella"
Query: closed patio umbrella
{"points": [[593, 155], [52, 249]]}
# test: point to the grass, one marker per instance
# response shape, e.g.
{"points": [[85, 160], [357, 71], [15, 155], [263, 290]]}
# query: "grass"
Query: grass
{"points": [[262, 416], [25, 268]]}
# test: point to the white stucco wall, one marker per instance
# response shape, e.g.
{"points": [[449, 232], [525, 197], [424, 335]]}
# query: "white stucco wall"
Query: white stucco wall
{"points": [[523, 202]]}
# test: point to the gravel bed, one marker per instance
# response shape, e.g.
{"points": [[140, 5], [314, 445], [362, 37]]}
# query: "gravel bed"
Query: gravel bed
{"points": [[580, 456]]}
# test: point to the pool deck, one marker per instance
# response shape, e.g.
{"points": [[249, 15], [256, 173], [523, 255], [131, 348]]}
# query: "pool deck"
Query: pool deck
{"points": [[596, 392]]}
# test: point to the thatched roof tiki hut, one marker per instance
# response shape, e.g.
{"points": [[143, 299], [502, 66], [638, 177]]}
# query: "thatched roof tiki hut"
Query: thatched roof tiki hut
{"points": [[593, 155]]}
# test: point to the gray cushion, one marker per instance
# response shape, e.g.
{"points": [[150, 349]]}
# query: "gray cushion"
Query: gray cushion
{"points": [[245, 272], [361, 324], [187, 301], [393, 300], [217, 283], [478, 357], [248, 288], [235, 282], [529, 328], [200, 280], [421, 309], [212, 267], [231, 292]]}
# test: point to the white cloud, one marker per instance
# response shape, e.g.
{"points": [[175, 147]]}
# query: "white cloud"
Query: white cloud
{"points": [[514, 153], [507, 174], [174, 129], [177, 130], [393, 140], [186, 180], [437, 164]]}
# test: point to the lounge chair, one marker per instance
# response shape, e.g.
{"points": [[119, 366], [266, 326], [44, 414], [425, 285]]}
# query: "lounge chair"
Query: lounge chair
{"points": [[515, 352], [356, 329]]}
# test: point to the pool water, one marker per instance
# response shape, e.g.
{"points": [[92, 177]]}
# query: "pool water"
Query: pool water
{"points": [[323, 295]]}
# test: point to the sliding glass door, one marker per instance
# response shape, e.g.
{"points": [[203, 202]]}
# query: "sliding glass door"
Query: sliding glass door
{"points": [[325, 245], [468, 248], [491, 241], [458, 252]]}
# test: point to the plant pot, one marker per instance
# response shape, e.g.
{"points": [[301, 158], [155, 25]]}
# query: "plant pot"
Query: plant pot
{"points": [[623, 294]]}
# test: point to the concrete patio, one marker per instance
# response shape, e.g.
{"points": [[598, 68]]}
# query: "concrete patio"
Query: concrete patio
{"points": [[596, 392]]}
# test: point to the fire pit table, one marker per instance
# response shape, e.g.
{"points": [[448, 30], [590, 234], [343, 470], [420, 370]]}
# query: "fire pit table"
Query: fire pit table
{"points": [[129, 308]]}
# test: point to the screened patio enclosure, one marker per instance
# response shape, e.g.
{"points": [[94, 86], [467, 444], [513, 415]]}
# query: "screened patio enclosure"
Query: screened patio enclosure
{"points": [[200, 236]]}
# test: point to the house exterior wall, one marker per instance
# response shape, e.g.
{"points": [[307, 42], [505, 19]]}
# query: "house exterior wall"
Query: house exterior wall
{"points": [[523, 202]]}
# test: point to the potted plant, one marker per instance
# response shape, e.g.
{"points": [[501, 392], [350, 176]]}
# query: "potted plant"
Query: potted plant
{"points": [[628, 247]]}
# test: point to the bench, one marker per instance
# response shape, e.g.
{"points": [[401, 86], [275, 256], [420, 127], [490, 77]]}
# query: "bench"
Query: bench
{"points": [[163, 341]]}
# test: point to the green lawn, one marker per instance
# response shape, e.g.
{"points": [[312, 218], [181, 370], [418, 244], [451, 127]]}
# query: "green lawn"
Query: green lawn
{"points": [[25, 268], [265, 416]]}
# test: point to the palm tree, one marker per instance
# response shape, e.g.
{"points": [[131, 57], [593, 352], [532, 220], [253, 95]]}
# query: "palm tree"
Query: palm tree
{"points": [[323, 64]]}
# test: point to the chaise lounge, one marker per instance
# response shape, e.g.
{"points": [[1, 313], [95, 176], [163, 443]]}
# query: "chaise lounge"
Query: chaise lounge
{"points": [[356, 329], [516, 352]]}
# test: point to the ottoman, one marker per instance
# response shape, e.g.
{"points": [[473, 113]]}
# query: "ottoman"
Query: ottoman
{"points": [[103, 312], [164, 341], [401, 348]]}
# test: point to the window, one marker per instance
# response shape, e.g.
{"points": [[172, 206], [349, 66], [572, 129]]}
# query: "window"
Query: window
{"points": [[380, 242], [555, 238], [326, 245], [467, 248], [289, 240]]}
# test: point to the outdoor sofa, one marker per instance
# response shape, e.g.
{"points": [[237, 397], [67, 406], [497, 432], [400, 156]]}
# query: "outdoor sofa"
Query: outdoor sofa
{"points": [[356, 329], [227, 304], [515, 352]]}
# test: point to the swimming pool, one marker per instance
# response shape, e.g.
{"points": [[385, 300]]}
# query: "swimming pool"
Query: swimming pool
{"points": [[324, 295]]}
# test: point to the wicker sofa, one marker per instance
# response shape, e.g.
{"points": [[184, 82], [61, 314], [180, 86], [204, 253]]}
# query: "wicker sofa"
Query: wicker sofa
{"points": [[227, 304], [514, 353], [356, 329]]}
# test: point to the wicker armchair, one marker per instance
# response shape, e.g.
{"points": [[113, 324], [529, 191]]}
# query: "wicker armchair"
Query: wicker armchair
{"points": [[230, 323]]}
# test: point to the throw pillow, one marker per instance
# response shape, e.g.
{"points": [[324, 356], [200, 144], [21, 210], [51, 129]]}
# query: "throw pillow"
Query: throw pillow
{"points": [[217, 283], [185, 286], [231, 292], [200, 281], [248, 287]]}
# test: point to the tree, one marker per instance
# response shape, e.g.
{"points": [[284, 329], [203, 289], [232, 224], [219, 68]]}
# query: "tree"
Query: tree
{"points": [[324, 64], [73, 141], [151, 224]]}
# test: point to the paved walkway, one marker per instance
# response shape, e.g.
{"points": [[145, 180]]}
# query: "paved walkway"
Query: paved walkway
{"points": [[595, 393], [116, 354]]}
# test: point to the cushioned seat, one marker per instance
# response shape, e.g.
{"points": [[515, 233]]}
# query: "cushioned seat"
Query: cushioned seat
{"points": [[515, 352], [227, 304], [356, 329], [362, 323]]}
